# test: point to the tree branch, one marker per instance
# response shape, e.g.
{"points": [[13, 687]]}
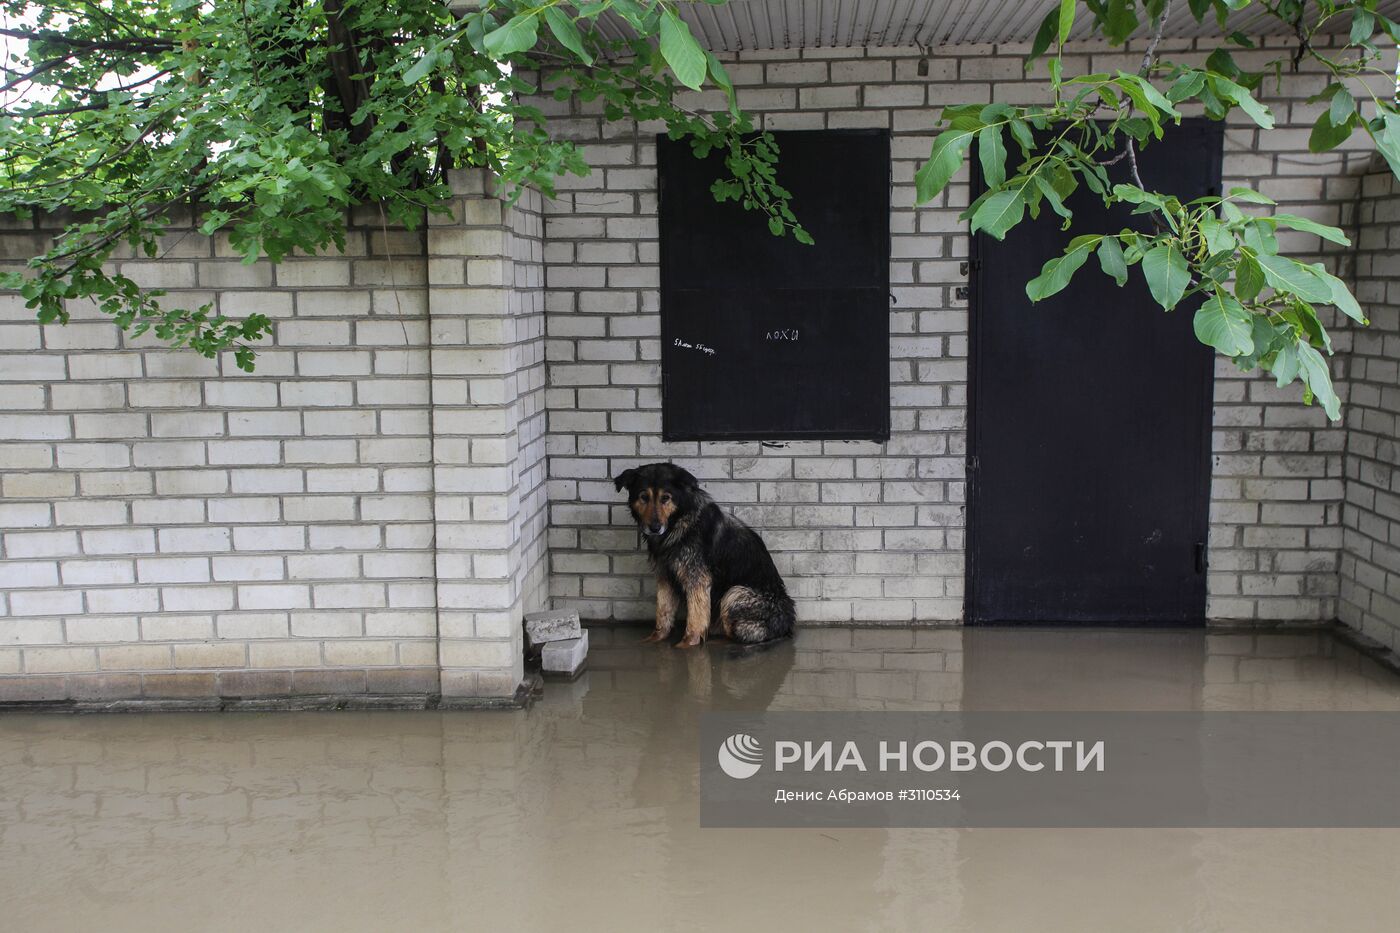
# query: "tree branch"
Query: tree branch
{"points": [[1149, 58], [35, 72], [133, 44], [77, 108], [344, 61]]}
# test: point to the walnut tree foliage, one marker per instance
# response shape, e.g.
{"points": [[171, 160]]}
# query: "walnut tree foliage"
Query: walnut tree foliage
{"points": [[1255, 306], [270, 118]]}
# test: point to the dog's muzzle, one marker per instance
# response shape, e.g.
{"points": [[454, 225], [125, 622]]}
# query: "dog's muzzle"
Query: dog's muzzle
{"points": [[654, 533]]}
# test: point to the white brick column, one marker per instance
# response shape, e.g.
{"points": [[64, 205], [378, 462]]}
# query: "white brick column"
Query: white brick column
{"points": [[480, 340]]}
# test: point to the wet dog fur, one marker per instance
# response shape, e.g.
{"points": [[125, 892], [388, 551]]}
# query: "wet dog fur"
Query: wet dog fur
{"points": [[706, 560]]}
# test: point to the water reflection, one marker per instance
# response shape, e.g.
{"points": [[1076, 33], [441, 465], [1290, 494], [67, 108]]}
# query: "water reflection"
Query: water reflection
{"points": [[582, 811]]}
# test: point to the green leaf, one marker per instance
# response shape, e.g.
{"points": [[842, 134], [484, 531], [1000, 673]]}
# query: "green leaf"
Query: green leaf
{"points": [[1249, 196], [1343, 105], [1056, 199], [1313, 367], [718, 74], [1249, 279], [1056, 273], [420, 68], [517, 35], [1022, 133], [1288, 275], [1266, 336], [1229, 90], [1111, 259], [991, 151], [1286, 363], [1149, 91], [1327, 135], [1186, 86], [1385, 130], [1119, 20], [943, 163], [1218, 237], [1135, 195], [681, 51], [631, 11], [1305, 316], [476, 29], [1223, 63], [1331, 234], [1258, 236], [1363, 25], [1341, 296], [566, 32], [1167, 273], [1001, 211], [1223, 323], [1133, 88], [1066, 19], [1043, 37]]}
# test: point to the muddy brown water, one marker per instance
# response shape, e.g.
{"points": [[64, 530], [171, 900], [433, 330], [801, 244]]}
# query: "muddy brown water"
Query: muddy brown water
{"points": [[581, 813]]}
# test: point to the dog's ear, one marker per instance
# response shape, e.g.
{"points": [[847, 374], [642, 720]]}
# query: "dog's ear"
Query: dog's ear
{"points": [[686, 479], [624, 479]]}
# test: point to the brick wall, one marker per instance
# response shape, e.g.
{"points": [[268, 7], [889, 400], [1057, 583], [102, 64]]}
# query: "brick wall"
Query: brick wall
{"points": [[874, 532], [1370, 569], [173, 527], [487, 312], [425, 451]]}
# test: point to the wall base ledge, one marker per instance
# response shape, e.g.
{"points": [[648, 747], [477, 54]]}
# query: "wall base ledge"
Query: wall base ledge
{"points": [[257, 691]]}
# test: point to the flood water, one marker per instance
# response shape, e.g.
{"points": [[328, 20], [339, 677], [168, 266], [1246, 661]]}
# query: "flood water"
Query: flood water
{"points": [[581, 813]]}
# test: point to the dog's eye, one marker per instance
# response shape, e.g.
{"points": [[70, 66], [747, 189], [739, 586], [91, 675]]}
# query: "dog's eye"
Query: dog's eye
{"points": [[665, 499], [643, 498]]}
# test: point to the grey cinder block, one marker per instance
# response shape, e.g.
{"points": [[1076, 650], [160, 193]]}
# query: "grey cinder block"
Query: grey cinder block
{"points": [[565, 657], [551, 625]]}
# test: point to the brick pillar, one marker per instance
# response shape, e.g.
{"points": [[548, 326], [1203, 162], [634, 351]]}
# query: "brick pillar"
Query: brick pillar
{"points": [[480, 335]]}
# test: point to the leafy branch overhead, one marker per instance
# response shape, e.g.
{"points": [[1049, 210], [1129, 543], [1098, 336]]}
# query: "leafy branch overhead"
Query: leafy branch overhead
{"points": [[1221, 254], [271, 119]]}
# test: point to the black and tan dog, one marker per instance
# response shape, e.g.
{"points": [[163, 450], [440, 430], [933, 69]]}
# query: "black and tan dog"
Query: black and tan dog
{"points": [[718, 565]]}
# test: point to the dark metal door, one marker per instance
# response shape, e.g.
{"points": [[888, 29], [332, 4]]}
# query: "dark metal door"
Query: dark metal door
{"points": [[1088, 459], [763, 338]]}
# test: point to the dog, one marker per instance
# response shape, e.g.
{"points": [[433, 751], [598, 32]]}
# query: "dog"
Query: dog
{"points": [[705, 558]]}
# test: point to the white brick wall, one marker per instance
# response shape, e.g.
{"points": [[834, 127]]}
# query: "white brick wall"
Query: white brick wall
{"points": [[874, 532], [1370, 570], [167, 518], [368, 511], [487, 312]]}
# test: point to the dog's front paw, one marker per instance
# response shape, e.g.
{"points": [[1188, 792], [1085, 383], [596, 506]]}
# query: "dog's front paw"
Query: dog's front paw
{"points": [[690, 641], [655, 636]]}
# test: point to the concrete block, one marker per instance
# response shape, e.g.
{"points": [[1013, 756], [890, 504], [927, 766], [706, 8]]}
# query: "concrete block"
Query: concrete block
{"points": [[552, 625], [566, 656]]}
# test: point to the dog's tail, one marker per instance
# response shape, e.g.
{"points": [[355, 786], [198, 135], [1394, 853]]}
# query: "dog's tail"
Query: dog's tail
{"points": [[751, 615]]}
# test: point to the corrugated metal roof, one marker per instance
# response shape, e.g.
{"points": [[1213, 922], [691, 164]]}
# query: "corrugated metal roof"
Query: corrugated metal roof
{"points": [[786, 24]]}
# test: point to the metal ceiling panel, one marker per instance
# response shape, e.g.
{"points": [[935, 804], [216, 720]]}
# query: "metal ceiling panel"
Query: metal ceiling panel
{"points": [[786, 24], [791, 24]]}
